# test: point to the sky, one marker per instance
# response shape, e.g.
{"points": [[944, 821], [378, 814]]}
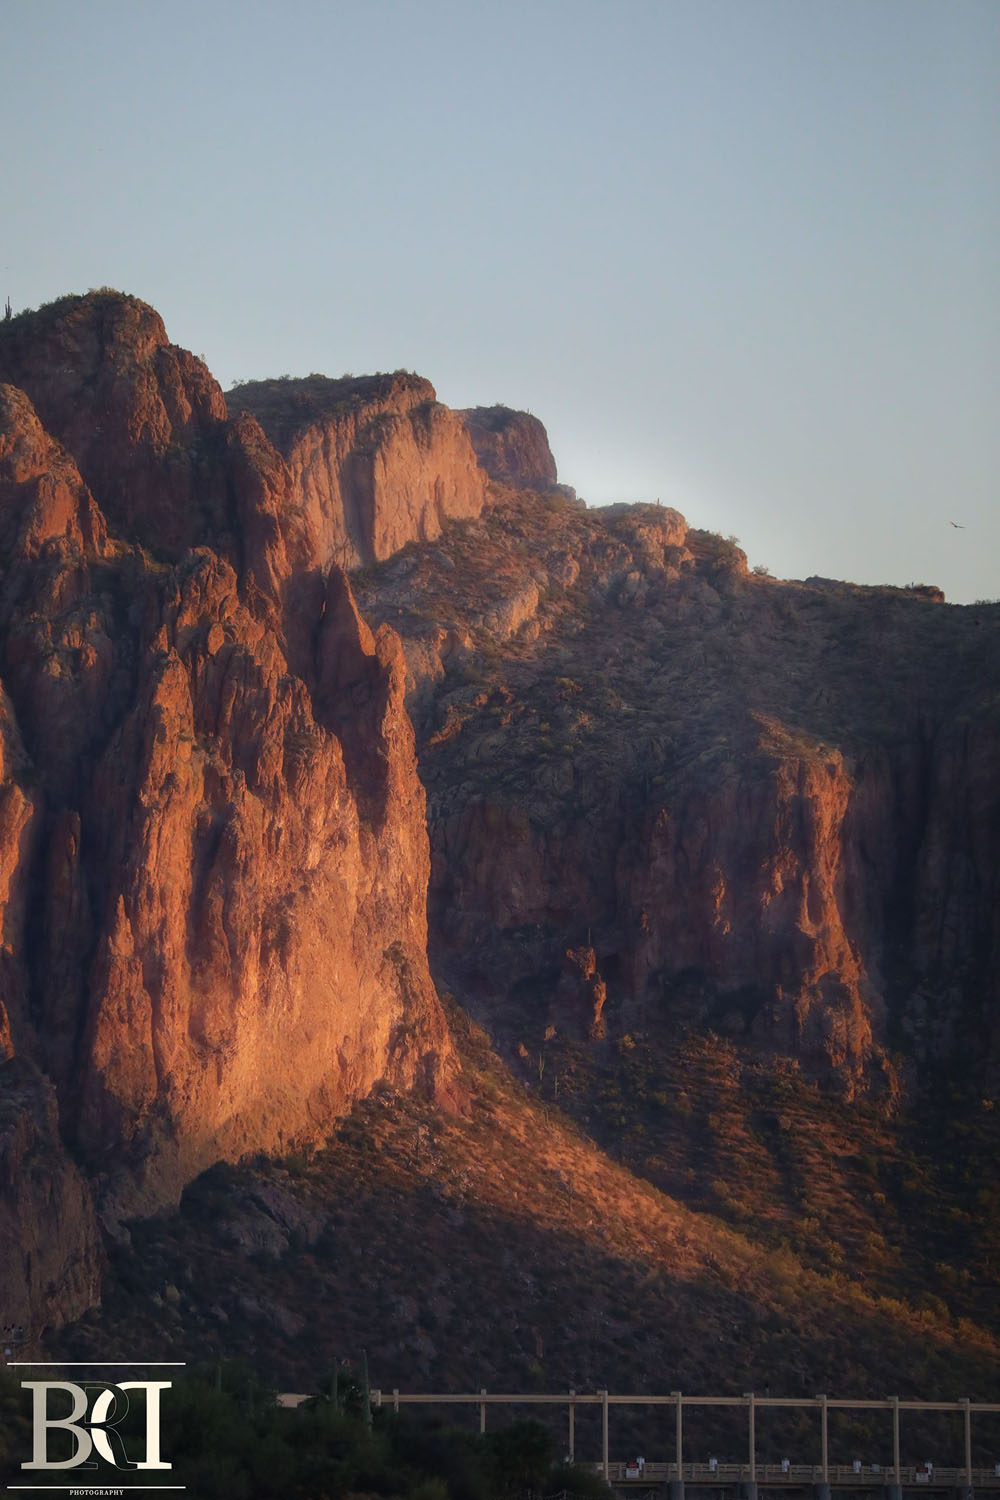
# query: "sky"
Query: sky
{"points": [[740, 256]]}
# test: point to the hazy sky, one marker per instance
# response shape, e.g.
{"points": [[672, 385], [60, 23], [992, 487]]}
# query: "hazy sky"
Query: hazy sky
{"points": [[740, 255]]}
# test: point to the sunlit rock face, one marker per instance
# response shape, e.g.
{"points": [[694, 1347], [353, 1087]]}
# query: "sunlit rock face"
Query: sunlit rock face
{"points": [[375, 462], [212, 839], [512, 446]]}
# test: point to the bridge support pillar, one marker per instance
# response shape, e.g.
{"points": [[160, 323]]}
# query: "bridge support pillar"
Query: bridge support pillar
{"points": [[749, 1489], [677, 1490], [821, 1492]]}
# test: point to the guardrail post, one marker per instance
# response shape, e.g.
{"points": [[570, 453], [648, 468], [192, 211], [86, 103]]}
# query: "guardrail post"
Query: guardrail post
{"points": [[482, 1409], [895, 1489], [965, 1490], [604, 1432], [572, 1426], [750, 1487], [395, 1399], [677, 1485], [821, 1491]]}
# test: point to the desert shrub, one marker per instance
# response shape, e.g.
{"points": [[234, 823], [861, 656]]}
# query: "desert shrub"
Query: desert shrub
{"points": [[577, 1481]]}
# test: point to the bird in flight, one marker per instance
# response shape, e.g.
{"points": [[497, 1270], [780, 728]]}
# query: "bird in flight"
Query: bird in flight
{"points": [[956, 525]]}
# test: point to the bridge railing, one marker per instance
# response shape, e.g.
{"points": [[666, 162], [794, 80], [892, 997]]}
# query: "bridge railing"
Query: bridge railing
{"points": [[869, 1476], [860, 1476]]}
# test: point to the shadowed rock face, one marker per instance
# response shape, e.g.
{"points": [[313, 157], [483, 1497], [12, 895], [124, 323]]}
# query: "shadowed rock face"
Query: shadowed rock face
{"points": [[212, 838], [767, 809], [50, 1246]]}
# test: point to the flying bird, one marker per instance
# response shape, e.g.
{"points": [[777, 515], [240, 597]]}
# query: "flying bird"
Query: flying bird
{"points": [[956, 525]]}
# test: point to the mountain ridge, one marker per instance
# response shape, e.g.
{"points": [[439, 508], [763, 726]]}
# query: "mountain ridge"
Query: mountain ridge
{"points": [[711, 857]]}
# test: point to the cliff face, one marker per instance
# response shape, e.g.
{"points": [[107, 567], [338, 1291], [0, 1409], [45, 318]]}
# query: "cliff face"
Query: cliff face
{"points": [[375, 462], [50, 1246], [137, 414], [212, 841], [766, 809], [512, 446]]}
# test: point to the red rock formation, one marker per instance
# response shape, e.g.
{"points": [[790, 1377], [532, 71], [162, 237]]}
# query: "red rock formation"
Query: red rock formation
{"points": [[663, 792], [212, 838], [512, 446], [767, 808], [137, 414], [743, 880], [375, 462], [582, 988]]}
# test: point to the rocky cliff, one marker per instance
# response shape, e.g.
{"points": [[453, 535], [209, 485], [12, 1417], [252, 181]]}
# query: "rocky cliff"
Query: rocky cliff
{"points": [[212, 839], [715, 862], [781, 798], [512, 446], [375, 462]]}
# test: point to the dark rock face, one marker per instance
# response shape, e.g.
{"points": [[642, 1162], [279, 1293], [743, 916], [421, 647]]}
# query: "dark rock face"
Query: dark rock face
{"points": [[212, 836], [781, 799], [50, 1247]]}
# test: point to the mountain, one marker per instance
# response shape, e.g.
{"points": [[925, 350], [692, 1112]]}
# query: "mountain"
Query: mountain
{"points": [[215, 855], [714, 861], [780, 797], [446, 919]]}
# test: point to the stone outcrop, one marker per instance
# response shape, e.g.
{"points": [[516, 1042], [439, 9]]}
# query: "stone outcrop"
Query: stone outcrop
{"points": [[375, 462], [140, 417], [213, 849], [747, 880], [512, 446], [582, 988]]}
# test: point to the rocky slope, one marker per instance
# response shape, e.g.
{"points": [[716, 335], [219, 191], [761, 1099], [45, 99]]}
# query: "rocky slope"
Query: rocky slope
{"points": [[498, 1248], [711, 851], [213, 848]]}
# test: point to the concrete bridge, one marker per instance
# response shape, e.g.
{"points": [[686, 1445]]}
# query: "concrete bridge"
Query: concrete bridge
{"points": [[746, 1479]]}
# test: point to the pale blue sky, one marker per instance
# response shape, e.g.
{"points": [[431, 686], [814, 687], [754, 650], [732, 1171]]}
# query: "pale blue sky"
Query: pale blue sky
{"points": [[740, 255]]}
